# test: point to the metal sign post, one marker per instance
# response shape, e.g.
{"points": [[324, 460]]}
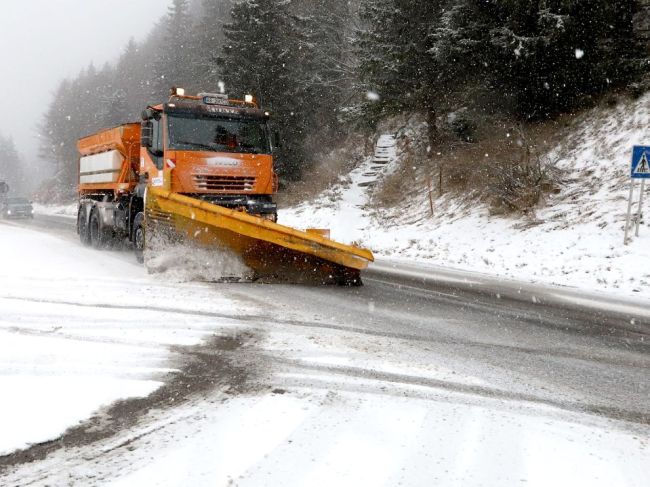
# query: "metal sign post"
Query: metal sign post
{"points": [[640, 170]]}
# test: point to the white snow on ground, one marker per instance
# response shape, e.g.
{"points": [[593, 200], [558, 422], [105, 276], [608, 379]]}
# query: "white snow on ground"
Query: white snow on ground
{"points": [[79, 330], [69, 211], [319, 438], [351, 440], [575, 239], [343, 208], [64, 353]]}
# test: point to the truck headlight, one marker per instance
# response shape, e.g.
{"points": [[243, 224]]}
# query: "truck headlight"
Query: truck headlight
{"points": [[8, 212]]}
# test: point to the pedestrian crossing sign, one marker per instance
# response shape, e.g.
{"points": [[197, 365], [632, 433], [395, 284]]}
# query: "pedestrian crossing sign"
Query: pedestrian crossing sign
{"points": [[641, 162]]}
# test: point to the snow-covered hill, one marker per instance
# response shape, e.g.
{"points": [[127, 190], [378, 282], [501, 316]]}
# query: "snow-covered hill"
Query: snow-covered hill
{"points": [[574, 239]]}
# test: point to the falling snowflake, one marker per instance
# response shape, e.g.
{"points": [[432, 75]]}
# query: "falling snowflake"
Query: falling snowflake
{"points": [[579, 53], [372, 96]]}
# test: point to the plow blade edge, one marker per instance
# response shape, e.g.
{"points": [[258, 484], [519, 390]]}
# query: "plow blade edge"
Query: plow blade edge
{"points": [[271, 250]]}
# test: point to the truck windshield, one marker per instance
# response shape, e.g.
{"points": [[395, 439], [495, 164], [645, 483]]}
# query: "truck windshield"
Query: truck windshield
{"points": [[218, 135]]}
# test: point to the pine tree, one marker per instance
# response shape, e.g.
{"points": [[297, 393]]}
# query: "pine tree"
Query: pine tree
{"points": [[11, 165], [174, 60], [260, 57], [116, 110], [130, 78], [208, 42], [542, 57], [395, 60], [328, 67], [79, 108]]}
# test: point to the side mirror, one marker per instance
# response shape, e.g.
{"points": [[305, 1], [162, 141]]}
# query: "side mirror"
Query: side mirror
{"points": [[277, 140], [150, 113], [4, 187], [146, 134]]}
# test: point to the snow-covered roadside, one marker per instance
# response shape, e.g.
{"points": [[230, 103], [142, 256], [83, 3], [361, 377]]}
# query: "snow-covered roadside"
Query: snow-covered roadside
{"points": [[576, 239], [349, 439], [64, 353], [79, 330], [68, 211], [326, 429]]}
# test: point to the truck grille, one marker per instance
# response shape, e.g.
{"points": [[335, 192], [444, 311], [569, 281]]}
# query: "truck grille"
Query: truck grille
{"points": [[224, 183]]}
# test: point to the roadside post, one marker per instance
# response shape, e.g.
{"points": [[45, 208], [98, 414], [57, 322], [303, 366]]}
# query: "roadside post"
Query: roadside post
{"points": [[640, 170]]}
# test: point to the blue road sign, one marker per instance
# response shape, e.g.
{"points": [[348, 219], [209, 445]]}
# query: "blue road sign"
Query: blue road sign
{"points": [[640, 162]]}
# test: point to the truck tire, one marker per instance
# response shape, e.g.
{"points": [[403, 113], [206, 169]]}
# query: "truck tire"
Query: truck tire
{"points": [[100, 236], [82, 226], [139, 237]]}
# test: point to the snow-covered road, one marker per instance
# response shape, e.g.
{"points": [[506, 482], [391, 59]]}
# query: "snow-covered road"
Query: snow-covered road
{"points": [[78, 332], [285, 385]]}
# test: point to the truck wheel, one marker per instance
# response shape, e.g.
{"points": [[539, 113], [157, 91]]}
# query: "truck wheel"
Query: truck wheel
{"points": [[100, 236], [138, 237], [82, 227]]}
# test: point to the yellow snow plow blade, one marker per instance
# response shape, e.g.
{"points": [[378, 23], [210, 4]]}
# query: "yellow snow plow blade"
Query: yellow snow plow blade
{"points": [[269, 249]]}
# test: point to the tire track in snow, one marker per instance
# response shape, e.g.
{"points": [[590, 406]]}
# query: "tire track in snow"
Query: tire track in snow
{"points": [[482, 392], [216, 364]]}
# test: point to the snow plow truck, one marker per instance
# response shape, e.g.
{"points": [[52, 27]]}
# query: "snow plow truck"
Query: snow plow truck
{"points": [[200, 170]]}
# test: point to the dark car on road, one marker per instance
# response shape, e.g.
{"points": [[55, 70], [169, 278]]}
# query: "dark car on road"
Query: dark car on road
{"points": [[16, 208]]}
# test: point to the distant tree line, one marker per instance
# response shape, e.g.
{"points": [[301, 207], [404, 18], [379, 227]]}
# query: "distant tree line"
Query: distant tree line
{"points": [[295, 57], [531, 58], [324, 67], [11, 167]]}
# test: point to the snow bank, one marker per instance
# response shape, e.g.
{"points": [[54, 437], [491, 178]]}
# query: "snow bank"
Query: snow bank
{"points": [[80, 329], [69, 211], [348, 439], [575, 239]]}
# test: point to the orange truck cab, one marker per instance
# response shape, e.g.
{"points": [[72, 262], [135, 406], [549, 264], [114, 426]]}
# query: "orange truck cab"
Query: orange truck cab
{"points": [[211, 148], [207, 147]]}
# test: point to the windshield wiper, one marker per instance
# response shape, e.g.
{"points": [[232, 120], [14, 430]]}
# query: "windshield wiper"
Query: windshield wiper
{"points": [[250, 149], [244, 148], [196, 144]]}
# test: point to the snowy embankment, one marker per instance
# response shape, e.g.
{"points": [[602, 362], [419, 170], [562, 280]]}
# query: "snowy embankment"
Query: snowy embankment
{"points": [[352, 440], [79, 330], [68, 211], [574, 239]]}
